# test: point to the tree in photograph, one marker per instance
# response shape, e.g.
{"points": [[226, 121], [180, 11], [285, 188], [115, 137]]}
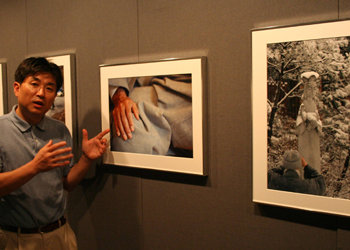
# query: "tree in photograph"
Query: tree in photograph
{"points": [[283, 70]]}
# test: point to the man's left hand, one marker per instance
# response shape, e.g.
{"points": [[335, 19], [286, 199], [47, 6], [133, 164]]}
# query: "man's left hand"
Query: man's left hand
{"points": [[96, 146]]}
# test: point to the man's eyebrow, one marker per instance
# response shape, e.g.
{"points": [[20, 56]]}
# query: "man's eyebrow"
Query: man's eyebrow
{"points": [[52, 84], [49, 83]]}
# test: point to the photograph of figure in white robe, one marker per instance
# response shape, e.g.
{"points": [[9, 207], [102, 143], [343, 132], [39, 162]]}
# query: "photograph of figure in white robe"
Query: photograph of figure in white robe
{"points": [[308, 111], [308, 123], [152, 115]]}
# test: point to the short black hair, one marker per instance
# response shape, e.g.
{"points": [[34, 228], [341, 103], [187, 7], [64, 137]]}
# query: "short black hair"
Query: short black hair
{"points": [[33, 65]]}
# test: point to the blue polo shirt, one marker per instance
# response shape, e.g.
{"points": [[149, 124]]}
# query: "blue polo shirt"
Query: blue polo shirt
{"points": [[42, 199]]}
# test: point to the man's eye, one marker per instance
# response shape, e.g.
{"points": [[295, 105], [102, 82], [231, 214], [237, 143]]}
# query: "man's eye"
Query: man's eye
{"points": [[34, 84]]}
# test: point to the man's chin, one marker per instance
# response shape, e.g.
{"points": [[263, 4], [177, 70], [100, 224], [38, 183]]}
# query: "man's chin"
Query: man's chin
{"points": [[39, 111]]}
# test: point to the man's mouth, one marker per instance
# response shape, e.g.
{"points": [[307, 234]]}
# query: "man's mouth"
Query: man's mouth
{"points": [[38, 104]]}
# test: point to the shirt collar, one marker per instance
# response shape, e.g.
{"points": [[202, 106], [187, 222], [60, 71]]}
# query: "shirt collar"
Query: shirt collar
{"points": [[21, 124]]}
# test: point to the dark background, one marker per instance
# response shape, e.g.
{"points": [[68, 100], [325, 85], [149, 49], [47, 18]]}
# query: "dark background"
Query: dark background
{"points": [[123, 208]]}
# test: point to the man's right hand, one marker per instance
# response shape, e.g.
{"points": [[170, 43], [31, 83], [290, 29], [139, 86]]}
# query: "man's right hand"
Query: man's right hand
{"points": [[124, 107], [52, 156]]}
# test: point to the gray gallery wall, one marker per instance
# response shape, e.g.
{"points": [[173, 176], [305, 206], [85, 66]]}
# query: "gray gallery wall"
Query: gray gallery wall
{"points": [[134, 209]]}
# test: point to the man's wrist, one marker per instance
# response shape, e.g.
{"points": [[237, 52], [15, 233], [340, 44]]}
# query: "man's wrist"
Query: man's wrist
{"points": [[33, 167], [86, 158], [119, 94]]}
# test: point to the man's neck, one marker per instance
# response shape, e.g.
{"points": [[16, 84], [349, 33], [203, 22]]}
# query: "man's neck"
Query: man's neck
{"points": [[31, 119]]}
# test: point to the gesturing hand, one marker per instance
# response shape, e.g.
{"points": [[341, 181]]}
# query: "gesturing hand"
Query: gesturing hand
{"points": [[124, 107], [52, 155], [96, 146]]}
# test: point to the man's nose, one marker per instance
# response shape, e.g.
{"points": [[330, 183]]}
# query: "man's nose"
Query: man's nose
{"points": [[41, 91]]}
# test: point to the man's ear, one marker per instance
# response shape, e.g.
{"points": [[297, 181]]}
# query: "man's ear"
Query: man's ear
{"points": [[16, 86]]}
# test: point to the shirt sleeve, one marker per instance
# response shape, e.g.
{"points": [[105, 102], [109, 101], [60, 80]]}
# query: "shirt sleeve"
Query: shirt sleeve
{"points": [[116, 83], [316, 181]]}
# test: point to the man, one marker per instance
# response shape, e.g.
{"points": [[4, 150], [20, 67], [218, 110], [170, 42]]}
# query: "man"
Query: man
{"points": [[36, 163], [295, 175]]}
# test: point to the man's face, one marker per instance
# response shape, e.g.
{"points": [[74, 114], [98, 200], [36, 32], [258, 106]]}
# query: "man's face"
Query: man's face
{"points": [[35, 96]]}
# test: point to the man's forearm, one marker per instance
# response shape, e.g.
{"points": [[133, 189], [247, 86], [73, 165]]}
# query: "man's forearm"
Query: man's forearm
{"points": [[12, 180], [77, 173]]}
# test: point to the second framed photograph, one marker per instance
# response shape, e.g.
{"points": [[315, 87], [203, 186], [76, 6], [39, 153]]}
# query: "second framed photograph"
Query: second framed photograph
{"points": [[301, 116], [64, 106], [155, 113]]}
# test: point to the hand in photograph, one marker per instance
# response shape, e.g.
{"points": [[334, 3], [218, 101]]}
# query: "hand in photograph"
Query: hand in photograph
{"points": [[123, 110]]}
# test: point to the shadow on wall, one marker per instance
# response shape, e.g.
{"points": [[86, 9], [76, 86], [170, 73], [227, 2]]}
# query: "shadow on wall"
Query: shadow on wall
{"points": [[96, 207], [314, 219], [81, 199], [158, 175], [110, 197]]}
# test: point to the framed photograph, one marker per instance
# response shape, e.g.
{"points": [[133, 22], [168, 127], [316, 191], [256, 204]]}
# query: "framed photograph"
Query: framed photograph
{"points": [[155, 113], [301, 116], [63, 108], [3, 89]]}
